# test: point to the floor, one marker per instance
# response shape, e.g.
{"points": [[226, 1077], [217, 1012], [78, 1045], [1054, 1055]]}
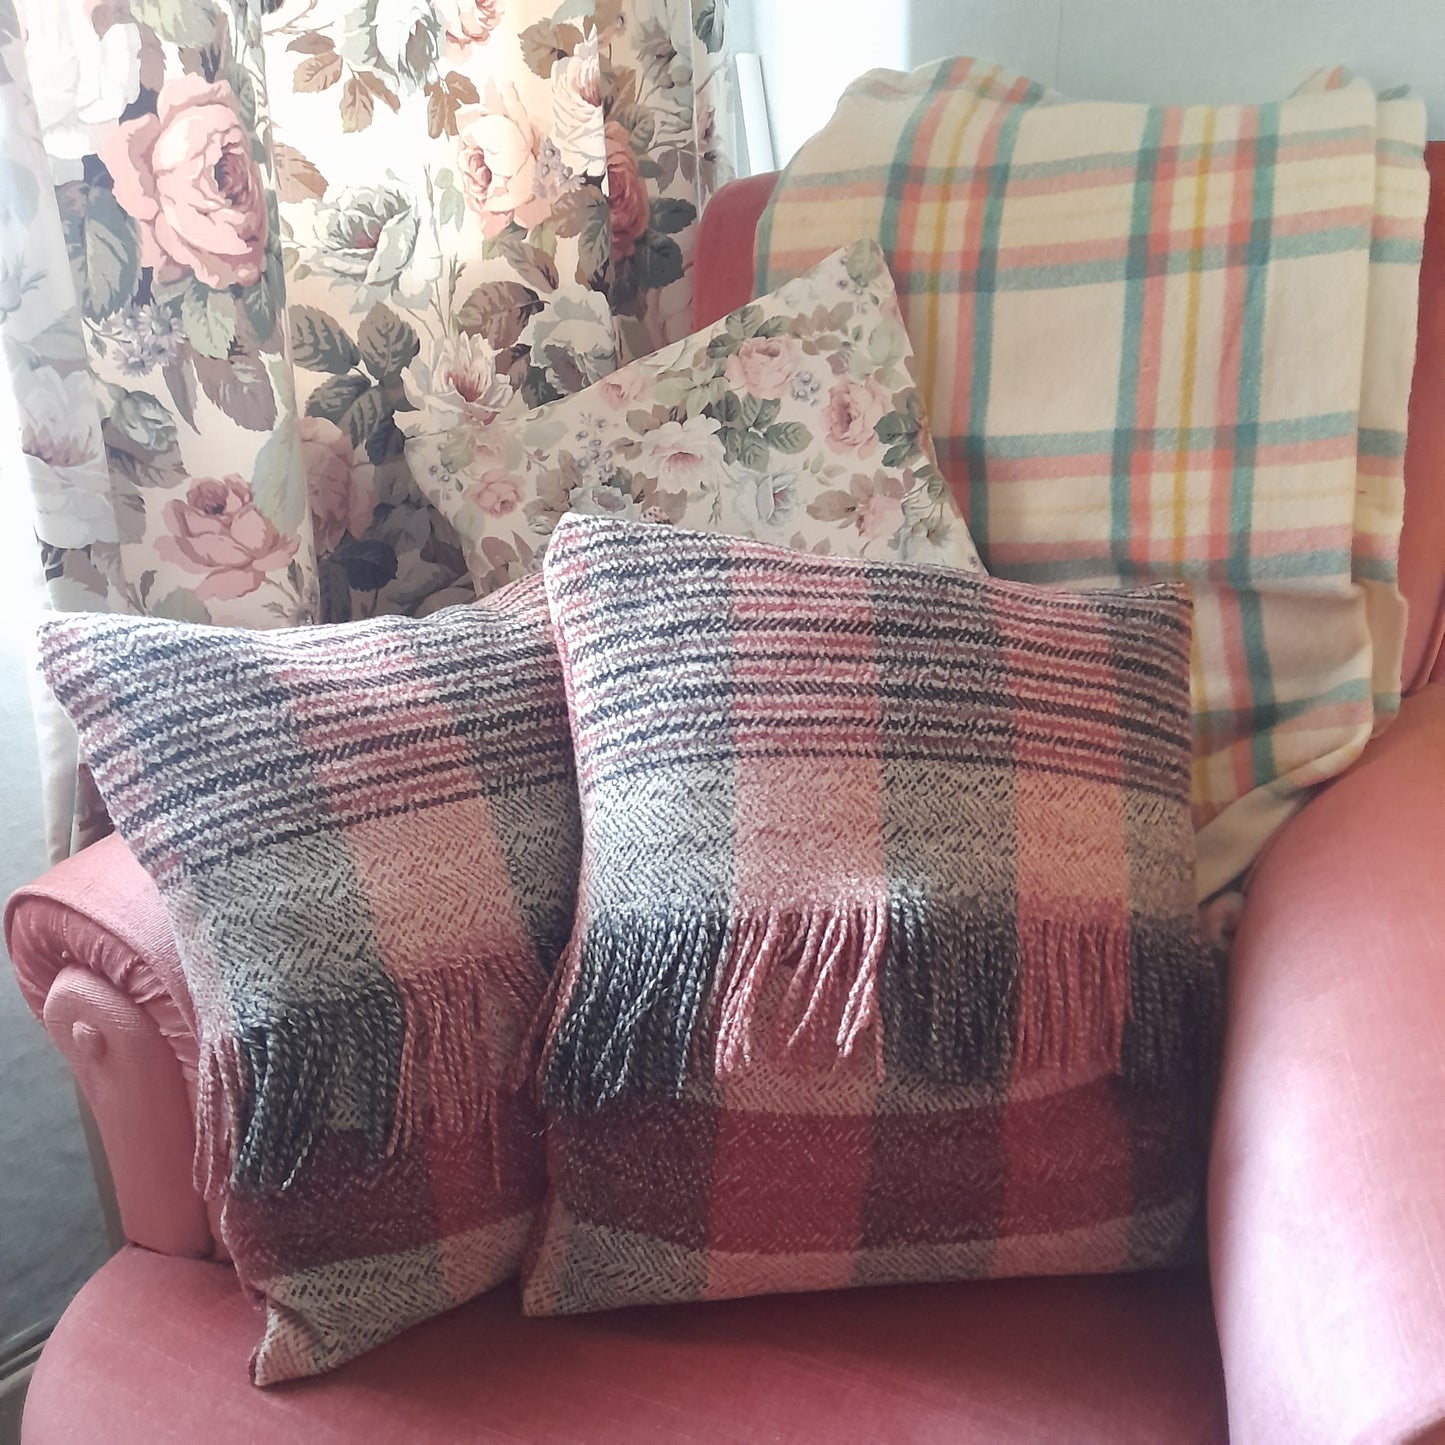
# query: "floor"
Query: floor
{"points": [[12, 1395]]}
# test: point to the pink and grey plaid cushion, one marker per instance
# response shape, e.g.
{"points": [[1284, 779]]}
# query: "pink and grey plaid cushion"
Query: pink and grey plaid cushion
{"points": [[886, 964], [367, 841]]}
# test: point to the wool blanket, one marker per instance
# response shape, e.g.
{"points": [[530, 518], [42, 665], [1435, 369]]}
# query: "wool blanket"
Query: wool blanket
{"points": [[1162, 342]]}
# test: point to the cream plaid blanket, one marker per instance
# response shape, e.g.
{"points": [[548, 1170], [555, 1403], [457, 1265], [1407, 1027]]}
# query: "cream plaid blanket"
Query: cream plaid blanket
{"points": [[1162, 342]]}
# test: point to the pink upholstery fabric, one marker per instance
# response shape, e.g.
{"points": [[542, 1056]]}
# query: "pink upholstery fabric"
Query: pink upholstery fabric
{"points": [[128, 1073], [1120, 1360], [1327, 1180], [723, 268], [97, 964], [101, 911]]}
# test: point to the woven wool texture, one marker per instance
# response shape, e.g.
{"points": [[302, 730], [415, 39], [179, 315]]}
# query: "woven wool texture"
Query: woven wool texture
{"points": [[1162, 343], [367, 839], [886, 964]]}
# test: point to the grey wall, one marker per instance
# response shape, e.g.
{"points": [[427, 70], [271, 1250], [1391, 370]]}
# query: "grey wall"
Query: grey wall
{"points": [[1162, 50]]}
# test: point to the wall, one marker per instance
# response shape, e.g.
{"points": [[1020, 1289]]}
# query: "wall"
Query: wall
{"points": [[1201, 50]]}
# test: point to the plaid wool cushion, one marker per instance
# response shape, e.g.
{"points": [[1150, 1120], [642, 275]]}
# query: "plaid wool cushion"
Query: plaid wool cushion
{"points": [[1157, 343], [886, 964], [366, 837]]}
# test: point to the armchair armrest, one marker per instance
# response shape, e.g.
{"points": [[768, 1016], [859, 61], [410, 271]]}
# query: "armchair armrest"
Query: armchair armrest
{"points": [[97, 966], [1327, 1176]]}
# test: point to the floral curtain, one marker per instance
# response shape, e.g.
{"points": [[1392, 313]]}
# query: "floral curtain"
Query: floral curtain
{"points": [[285, 225], [478, 198], [281, 228]]}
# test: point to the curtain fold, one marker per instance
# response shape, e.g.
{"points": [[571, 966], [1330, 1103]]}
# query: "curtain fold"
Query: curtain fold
{"points": [[150, 373], [240, 241]]}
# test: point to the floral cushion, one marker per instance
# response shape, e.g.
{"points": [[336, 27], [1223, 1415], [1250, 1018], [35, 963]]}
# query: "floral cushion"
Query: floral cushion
{"points": [[794, 420]]}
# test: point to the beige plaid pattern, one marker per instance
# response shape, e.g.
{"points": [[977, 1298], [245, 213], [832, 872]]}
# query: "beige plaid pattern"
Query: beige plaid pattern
{"points": [[1162, 342]]}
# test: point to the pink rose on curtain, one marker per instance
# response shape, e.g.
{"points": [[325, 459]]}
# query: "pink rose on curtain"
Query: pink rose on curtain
{"points": [[577, 127], [469, 22], [497, 156], [763, 366], [459, 386], [187, 176], [218, 532], [626, 192], [465, 375], [341, 490], [854, 409]]}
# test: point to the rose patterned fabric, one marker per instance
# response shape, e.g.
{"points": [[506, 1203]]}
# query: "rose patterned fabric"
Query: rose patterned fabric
{"points": [[156, 408], [279, 227], [794, 420], [284, 221]]}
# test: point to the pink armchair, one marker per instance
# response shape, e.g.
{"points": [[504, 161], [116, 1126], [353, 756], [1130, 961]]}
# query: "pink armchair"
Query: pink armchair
{"points": [[1322, 1317]]}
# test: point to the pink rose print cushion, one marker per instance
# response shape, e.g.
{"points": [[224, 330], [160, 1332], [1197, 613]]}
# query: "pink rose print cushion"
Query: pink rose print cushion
{"points": [[795, 420]]}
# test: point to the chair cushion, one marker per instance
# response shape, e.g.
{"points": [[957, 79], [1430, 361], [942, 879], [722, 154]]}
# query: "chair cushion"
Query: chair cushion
{"points": [[886, 965], [153, 1351], [365, 836]]}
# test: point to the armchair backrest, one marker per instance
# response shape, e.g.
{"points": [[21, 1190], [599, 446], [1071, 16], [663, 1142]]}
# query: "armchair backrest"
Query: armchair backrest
{"points": [[724, 280]]}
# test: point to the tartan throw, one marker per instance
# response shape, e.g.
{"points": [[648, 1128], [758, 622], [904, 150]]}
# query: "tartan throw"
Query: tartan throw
{"points": [[794, 420], [367, 841], [1162, 343], [886, 964]]}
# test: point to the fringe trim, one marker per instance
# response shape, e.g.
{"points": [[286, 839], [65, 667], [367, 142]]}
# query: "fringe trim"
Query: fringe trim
{"points": [[902, 986], [950, 1002], [410, 1059], [630, 1008], [1175, 1028]]}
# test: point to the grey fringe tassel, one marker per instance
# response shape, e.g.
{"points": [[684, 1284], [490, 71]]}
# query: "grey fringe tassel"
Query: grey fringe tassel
{"points": [[627, 1024], [408, 1058], [1176, 1008], [947, 994], [948, 990], [267, 1090]]}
